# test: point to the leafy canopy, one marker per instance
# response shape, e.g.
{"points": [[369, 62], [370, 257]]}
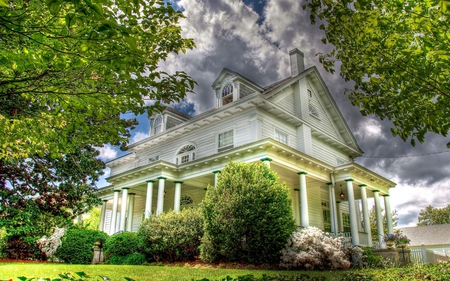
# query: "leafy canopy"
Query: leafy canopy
{"points": [[431, 215], [398, 55], [69, 68]]}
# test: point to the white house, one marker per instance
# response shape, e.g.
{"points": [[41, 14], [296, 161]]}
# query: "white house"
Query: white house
{"points": [[293, 125]]}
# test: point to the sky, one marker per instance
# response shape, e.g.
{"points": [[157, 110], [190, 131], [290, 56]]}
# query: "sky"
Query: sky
{"points": [[253, 38]]}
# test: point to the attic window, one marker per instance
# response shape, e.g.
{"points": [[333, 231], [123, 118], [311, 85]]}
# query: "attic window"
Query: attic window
{"points": [[313, 111], [158, 124], [309, 93], [185, 154], [227, 94]]}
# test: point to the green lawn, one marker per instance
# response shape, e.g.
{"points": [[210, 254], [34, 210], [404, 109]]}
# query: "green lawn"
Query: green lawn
{"points": [[11, 271]]}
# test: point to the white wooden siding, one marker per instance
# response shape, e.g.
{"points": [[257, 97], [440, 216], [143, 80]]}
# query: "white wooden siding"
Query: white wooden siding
{"points": [[327, 153], [270, 123], [315, 206], [287, 103]]}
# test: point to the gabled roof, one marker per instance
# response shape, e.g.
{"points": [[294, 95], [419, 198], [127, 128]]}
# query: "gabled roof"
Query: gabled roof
{"points": [[428, 234], [226, 71]]}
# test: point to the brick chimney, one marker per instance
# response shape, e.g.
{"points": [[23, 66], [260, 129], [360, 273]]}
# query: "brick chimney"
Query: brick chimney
{"points": [[297, 62]]}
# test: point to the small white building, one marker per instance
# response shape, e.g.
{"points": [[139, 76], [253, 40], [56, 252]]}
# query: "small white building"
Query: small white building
{"points": [[293, 125]]}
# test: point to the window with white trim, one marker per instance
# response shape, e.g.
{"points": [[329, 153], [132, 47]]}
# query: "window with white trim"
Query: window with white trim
{"points": [[185, 154], [158, 124], [227, 94], [281, 136], [313, 111], [225, 140], [153, 158]]}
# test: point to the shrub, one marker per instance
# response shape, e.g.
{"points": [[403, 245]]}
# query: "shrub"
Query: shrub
{"points": [[121, 244], [116, 259], [135, 259], [77, 245], [370, 260], [247, 217], [22, 248], [311, 248], [172, 236]]}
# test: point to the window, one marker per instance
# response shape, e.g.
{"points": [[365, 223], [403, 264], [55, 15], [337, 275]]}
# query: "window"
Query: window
{"points": [[226, 140], [313, 111], [309, 93], [186, 200], [326, 220], [281, 137], [185, 154], [158, 124], [227, 94], [346, 222]]}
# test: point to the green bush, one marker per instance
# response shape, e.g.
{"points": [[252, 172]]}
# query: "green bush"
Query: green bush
{"points": [[247, 217], [77, 243], [121, 244], [135, 259], [172, 236], [116, 259], [370, 260], [22, 248]]}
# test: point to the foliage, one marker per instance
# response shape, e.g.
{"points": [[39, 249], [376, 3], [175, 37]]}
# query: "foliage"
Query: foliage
{"points": [[121, 244], [77, 245], [70, 68], [402, 240], [22, 247], [247, 217], [374, 225], [92, 221], [431, 215], [172, 236], [311, 248], [78, 276], [370, 260], [398, 57], [39, 193], [49, 245]]}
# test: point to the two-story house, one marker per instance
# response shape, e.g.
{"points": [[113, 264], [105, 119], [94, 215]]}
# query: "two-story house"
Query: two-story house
{"points": [[293, 125]]}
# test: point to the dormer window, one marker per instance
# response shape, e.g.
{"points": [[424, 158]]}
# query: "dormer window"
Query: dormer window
{"points": [[185, 154], [158, 124], [227, 94]]}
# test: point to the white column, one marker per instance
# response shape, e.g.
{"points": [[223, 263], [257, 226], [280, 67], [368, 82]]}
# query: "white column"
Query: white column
{"points": [[149, 199], [216, 177], [303, 200], [380, 234], [123, 209], [365, 209], [112, 228], [266, 160], [387, 207], [101, 225], [339, 217], [177, 197], [160, 204], [332, 209], [352, 208], [130, 211]]}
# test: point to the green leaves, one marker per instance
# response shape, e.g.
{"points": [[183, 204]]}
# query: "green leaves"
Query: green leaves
{"points": [[397, 55]]}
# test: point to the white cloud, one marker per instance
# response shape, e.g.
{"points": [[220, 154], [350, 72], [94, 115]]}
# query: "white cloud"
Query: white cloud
{"points": [[107, 152], [139, 136], [370, 128]]}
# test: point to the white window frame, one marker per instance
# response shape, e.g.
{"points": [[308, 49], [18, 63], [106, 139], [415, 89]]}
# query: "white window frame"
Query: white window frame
{"points": [[190, 154], [159, 125], [231, 94], [313, 111], [279, 133], [153, 158], [227, 146]]}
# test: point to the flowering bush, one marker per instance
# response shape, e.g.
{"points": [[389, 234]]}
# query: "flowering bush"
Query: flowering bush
{"points": [[311, 248], [390, 237]]}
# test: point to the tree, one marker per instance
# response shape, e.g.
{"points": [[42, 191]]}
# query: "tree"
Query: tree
{"points": [[38, 193], [398, 55], [69, 68], [247, 216], [374, 225], [431, 215]]}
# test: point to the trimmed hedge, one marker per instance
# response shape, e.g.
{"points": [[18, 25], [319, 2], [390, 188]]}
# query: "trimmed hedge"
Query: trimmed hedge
{"points": [[172, 236], [247, 217], [121, 244], [77, 243]]}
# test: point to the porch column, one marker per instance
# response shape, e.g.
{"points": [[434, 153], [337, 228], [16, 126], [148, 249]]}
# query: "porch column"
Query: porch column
{"points": [[340, 221], [332, 209], [352, 208], [365, 210], [123, 209], [177, 198], [380, 230], [266, 160], [130, 211], [216, 177], [112, 228], [101, 225], [160, 204], [387, 207], [303, 200], [149, 199]]}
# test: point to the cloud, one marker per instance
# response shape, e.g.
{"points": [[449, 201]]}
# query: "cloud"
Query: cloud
{"points": [[107, 152], [139, 136]]}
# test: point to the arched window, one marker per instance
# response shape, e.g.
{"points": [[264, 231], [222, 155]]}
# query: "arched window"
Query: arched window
{"points": [[158, 124], [185, 154], [227, 94], [313, 111]]}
